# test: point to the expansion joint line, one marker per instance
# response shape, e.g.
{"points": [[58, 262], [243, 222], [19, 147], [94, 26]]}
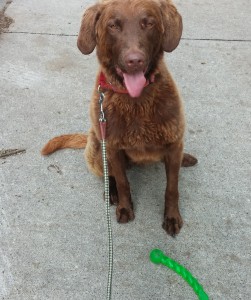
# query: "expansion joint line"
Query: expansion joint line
{"points": [[184, 38]]}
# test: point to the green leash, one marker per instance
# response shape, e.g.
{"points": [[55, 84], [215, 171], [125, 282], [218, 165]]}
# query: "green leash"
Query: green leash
{"points": [[158, 257]]}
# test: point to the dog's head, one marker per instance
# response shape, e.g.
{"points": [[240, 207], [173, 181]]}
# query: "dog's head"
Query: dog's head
{"points": [[130, 37]]}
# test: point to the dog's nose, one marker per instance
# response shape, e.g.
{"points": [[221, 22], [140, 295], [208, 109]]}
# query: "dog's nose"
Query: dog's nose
{"points": [[134, 61]]}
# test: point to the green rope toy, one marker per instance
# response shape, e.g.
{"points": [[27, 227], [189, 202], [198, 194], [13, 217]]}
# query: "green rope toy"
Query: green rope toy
{"points": [[158, 257]]}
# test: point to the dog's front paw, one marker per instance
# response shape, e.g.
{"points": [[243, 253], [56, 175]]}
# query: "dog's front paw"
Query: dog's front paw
{"points": [[124, 214], [172, 223]]}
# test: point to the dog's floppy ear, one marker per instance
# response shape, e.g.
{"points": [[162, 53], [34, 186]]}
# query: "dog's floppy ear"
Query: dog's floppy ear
{"points": [[172, 22], [87, 37]]}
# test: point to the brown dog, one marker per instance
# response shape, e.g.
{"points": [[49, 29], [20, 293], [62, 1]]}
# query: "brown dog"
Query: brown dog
{"points": [[145, 121]]}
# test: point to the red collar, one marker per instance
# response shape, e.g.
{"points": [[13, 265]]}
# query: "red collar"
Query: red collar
{"points": [[108, 86]]}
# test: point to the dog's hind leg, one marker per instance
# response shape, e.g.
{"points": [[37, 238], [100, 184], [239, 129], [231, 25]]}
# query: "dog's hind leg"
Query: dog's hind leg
{"points": [[188, 160], [93, 155]]}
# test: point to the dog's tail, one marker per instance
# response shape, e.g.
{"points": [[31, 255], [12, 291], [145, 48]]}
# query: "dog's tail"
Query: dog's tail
{"points": [[76, 141]]}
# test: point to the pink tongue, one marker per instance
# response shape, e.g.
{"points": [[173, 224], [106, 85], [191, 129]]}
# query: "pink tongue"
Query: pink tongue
{"points": [[134, 83]]}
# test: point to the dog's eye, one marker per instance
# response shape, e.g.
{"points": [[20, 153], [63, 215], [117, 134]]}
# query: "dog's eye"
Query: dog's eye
{"points": [[113, 26], [147, 23]]}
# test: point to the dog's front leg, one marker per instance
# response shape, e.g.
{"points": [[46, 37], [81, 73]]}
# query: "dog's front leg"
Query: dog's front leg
{"points": [[124, 211], [172, 218]]}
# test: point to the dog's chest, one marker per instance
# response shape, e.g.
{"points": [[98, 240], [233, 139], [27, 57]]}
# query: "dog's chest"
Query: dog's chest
{"points": [[135, 126]]}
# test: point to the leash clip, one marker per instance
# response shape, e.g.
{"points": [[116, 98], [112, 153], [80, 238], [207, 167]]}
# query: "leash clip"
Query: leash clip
{"points": [[101, 99], [102, 120]]}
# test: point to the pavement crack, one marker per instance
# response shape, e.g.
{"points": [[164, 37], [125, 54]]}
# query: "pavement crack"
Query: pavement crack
{"points": [[75, 35], [215, 40], [39, 33]]}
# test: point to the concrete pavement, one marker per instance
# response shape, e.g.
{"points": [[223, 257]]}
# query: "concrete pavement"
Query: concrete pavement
{"points": [[53, 236]]}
